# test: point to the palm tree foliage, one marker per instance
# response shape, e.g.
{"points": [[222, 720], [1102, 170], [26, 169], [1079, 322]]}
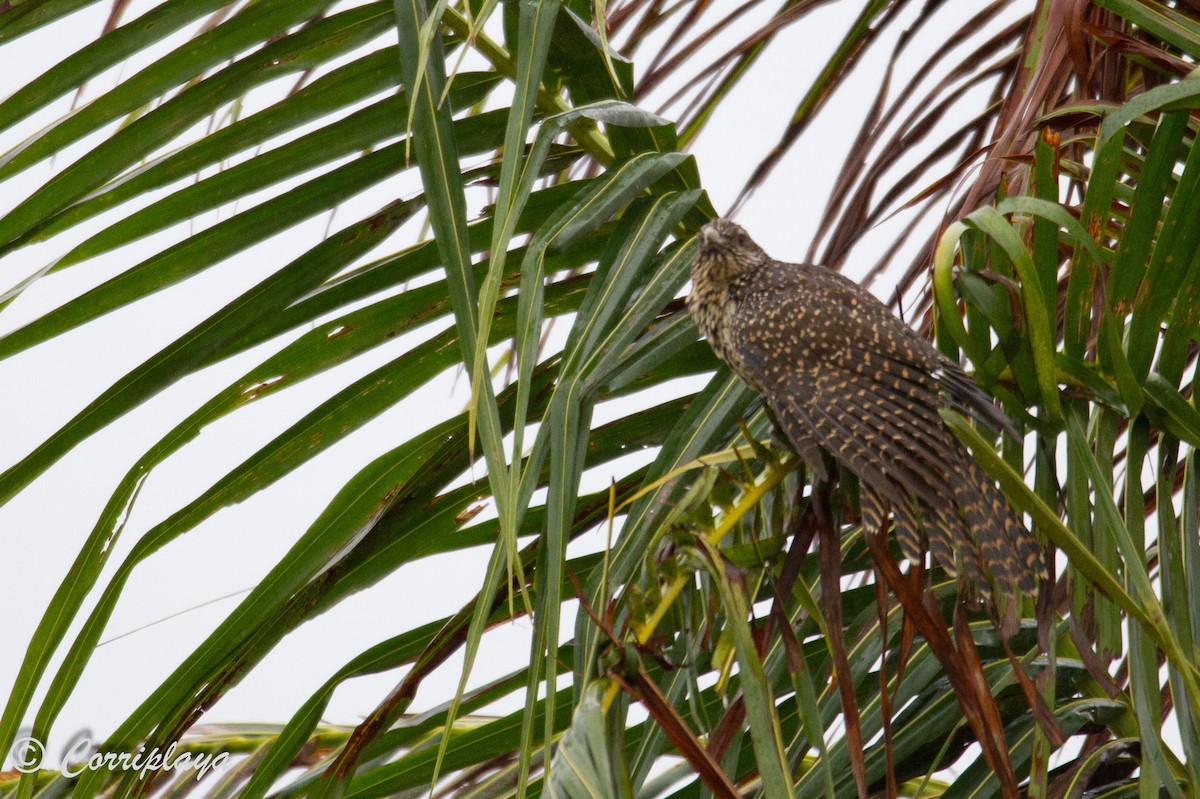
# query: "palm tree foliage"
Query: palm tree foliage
{"points": [[1060, 221]]}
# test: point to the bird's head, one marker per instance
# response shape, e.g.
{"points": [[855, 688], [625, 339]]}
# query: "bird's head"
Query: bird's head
{"points": [[725, 250]]}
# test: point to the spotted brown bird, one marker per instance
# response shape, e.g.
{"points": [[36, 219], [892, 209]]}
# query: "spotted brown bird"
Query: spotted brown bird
{"points": [[841, 374]]}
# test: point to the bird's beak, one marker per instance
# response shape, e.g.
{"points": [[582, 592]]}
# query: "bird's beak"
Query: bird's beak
{"points": [[710, 235]]}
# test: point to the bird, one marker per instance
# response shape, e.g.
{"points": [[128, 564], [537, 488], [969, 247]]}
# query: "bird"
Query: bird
{"points": [[842, 375]]}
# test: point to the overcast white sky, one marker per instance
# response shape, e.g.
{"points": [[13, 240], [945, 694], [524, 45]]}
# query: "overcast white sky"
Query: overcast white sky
{"points": [[42, 529]]}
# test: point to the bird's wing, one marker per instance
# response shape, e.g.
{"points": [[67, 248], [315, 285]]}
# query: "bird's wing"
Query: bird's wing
{"points": [[878, 416], [884, 427], [957, 387], [797, 431], [875, 413], [872, 402], [892, 438], [966, 395], [894, 441]]}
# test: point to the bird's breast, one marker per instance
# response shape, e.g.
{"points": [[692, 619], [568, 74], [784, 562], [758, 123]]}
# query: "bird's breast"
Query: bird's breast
{"points": [[717, 313], [711, 307]]}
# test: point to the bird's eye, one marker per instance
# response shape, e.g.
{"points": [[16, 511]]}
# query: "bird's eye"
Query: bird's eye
{"points": [[741, 240]]}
